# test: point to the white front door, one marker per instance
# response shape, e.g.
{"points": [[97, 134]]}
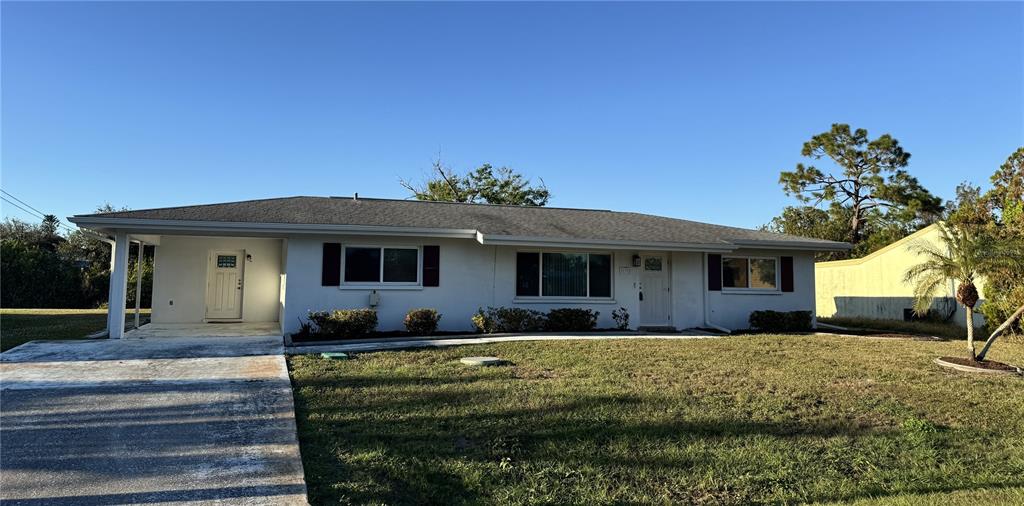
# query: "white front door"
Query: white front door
{"points": [[655, 287], [224, 285]]}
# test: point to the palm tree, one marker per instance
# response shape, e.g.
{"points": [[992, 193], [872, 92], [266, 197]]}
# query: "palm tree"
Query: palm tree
{"points": [[962, 257]]}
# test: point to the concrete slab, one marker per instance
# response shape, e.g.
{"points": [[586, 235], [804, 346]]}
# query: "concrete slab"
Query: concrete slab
{"points": [[129, 349], [246, 329], [115, 422]]}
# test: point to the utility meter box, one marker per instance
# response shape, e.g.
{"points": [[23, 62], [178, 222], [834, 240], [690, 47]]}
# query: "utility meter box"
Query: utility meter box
{"points": [[374, 298]]}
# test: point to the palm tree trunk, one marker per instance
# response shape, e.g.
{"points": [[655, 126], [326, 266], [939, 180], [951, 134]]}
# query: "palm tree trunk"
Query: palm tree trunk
{"points": [[970, 332], [1002, 328]]}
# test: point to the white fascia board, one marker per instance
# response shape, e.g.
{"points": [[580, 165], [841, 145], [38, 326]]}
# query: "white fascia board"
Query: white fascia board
{"points": [[794, 245], [548, 242], [241, 228]]}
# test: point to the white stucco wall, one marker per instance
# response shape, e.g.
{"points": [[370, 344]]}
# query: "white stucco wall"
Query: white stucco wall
{"points": [[731, 309], [179, 275], [466, 280], [474, 276]]}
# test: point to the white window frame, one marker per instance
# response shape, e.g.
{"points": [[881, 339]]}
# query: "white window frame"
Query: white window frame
{"points": [[554, 298], [750, 273], [380, 273]]}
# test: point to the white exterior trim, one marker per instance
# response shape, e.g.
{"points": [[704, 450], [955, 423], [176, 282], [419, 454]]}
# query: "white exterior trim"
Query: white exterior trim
{"points": [[380, 268], [101, 223]]}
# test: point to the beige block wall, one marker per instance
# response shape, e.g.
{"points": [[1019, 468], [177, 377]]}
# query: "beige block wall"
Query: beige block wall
{"points": [[873, 286]]}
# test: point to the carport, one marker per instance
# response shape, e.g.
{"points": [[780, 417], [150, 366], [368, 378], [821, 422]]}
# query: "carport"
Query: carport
{"points": [[217, 280]]}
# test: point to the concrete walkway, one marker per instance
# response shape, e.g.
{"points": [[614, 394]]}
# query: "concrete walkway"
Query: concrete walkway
{"points": [[405, 343], [201, 420]]}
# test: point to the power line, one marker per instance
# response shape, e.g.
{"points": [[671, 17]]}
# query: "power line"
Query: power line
{"points": [[5, 192], [30, 213], [38, 214]]}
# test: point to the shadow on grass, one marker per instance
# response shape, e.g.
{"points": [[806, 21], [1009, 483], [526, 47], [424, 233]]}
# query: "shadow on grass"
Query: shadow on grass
{"points": [[385, 440]]}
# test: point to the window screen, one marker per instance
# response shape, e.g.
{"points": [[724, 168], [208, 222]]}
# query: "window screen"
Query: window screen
{"points": [[527, 274], [734, 272], [400, 265], [362, 265], [600, 275]]}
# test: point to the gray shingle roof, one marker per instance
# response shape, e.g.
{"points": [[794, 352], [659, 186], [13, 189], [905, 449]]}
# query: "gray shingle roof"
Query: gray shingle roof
{"points": [[537, 222]]}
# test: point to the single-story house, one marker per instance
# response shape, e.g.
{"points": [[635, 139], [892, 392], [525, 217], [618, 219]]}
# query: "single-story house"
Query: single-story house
{"points": [[273, 260], [872, 286]]}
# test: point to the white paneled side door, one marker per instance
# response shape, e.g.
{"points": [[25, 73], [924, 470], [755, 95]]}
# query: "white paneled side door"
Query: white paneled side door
{"points": [[655, 296], [224, 280]]}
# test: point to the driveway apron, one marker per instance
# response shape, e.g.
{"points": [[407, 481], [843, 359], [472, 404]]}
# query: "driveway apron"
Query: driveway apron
{"points": [[164, 420]]}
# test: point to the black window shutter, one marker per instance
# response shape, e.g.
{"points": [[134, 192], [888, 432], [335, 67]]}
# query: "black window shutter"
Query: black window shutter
{"points": [[787, 274], [715, 273], [431, 266], [330, 274]]}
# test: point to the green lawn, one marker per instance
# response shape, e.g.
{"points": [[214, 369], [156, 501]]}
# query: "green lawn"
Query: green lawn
{"points": [[18, 326], [750, 419]]}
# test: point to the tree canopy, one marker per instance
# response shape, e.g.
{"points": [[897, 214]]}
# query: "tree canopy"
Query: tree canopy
{"points": [[866, 198], [42, 268], [998, 214], [485, 185]]}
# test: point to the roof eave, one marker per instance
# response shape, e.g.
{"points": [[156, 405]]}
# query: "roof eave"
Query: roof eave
{"points": [[794, 245], [555, 242], [109, 224]]}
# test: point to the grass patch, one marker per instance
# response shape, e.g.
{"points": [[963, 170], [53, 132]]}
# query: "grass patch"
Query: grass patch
{"points": [[943, 330], [751, 419], [18, 326]]}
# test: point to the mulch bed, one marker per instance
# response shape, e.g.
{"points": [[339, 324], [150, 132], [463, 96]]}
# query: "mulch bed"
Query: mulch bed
{"points": [[989, 365]]}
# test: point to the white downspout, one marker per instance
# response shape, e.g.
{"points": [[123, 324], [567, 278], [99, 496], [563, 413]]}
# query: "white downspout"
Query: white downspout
{"points": [[138, 283], [704, 291]]}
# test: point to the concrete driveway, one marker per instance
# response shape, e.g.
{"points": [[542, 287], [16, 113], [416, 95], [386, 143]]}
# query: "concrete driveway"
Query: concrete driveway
{"points": [[173, 420]]}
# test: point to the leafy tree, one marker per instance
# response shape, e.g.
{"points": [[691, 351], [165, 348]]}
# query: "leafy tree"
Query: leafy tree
{"points": [[483, 185], [1004, 207], [963, 256], [869, 182], [809, 221], [41, 268], [33, 274]]}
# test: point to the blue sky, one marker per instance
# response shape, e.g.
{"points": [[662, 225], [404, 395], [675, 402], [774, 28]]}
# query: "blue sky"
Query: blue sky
{"points": [[687, 110]]}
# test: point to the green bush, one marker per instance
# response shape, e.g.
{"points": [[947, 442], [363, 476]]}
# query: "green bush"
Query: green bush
{"points": [[1001, 301], [508, 319], [571, 319], [481, 322], [777, 321], [422, 321], [344, 323], [621, 317]]}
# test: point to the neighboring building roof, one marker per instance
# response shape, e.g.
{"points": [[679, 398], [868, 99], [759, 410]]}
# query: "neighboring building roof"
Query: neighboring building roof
{"points": [[488, 223]]}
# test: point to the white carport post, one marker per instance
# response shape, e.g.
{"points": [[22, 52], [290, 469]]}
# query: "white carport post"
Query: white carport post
{"points": [[118, 286], [138, 283]]}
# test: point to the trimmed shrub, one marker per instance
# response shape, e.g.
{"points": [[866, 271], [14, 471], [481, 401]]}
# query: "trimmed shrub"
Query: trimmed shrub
{"points": [[777, 321], [571, 319], [422, 321], [508, 319], [621, 317], [344, 323]]}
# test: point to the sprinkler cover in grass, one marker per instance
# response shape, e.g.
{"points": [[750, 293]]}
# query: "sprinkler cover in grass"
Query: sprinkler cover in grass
{"points": [[482, 361]]}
